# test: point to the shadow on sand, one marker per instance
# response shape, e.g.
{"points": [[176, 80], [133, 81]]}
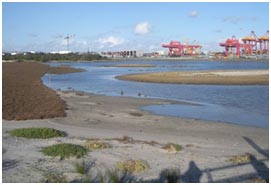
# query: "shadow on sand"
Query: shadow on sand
{"points": [[194, 173]]}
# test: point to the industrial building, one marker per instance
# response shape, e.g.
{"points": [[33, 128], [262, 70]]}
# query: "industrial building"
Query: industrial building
{"points": [[118, 54]]}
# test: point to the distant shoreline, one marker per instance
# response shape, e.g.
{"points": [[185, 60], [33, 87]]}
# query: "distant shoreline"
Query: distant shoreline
{"points": [[181, 59]]}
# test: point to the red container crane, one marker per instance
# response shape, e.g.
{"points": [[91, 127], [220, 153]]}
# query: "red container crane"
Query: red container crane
{"points": [[232, 43], [264, 43], [249, 46], [178, 49]]}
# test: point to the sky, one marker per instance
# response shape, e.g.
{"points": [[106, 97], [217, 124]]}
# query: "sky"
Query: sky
{"points": [[108, 26]]}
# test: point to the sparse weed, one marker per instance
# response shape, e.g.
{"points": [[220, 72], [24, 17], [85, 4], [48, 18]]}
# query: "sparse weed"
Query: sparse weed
{"points": [[257, 180], [53, 177], [172, 147], [95, 144], [132, 166], [238, 159], [114, 176]]}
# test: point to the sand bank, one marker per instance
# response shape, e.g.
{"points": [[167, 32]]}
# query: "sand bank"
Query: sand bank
{"points": [[225, 77], [207, 146]]}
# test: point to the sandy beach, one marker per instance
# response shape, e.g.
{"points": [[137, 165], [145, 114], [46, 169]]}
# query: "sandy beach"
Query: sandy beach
{"points": [[216, 77], [134, 134]]}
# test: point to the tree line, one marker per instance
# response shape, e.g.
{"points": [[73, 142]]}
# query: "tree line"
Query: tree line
{"points": [[45, 57]]}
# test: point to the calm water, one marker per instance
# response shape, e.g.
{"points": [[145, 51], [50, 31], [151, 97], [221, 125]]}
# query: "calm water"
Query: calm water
{"points": [[246, 105]]}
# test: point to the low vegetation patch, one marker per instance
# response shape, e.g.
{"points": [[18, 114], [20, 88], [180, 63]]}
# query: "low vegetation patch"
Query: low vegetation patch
{"points": [[63, 70], [65, 150], [172, 147], [238, 159], [95, 144], [137, 114], [130, 140], [132, 166], [37, 133]]}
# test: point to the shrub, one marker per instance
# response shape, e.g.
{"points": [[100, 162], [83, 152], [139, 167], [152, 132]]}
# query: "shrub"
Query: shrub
{"points": [[171, 175], [37, 133], [65, 150], [132, 166]]}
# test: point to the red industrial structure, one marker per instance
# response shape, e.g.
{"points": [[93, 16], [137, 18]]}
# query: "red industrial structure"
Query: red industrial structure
{"points": [[251, 45], [178, 49], [264, 43]]}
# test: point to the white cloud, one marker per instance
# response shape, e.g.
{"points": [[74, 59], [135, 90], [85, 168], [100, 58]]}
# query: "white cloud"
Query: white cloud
{"points": [[142, 28], [237, 19], [110, 41], [193, 13]]}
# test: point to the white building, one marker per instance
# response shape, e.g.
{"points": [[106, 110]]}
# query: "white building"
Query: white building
{"points": [[60, 52]]}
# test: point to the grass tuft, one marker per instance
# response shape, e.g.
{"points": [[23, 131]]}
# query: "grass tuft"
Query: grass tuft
{"points": [[114, 176], [65, 150], [132, 166], [53, 178], [172, 147], [95, 144], [36, 133], [81, 167], [239, 159]]}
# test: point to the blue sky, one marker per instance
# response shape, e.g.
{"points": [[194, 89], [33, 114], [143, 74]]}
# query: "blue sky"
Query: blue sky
{"points": [[116, 26]]}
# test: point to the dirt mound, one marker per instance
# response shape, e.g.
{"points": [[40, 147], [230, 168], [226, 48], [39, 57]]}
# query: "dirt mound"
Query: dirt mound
{"points": [[24, 96]]}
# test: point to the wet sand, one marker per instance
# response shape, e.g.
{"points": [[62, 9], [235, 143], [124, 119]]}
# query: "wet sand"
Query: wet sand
{"points": [[225, 77], [207, 146]]}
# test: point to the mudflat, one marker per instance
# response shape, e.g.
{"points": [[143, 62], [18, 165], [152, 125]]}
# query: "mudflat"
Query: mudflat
{"points": [[216, 77], [206, 147]]}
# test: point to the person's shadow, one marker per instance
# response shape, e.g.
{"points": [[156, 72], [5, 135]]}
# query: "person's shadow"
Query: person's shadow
{"points": [[193, 174], [261, 169]]}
